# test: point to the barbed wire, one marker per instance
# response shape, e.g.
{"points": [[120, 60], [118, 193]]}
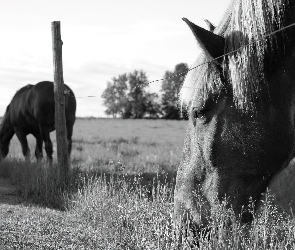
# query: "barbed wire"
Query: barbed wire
{"points": [[226, 54], [184, 72], [86, 96], [214, 59]]}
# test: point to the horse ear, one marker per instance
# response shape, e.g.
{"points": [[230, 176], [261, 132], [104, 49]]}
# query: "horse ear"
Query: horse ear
{"points": [[211, 43], [211, 27]]}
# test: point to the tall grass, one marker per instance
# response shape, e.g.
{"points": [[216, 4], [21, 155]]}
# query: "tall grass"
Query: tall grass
{"points": [[126, 217], [116, 200]]}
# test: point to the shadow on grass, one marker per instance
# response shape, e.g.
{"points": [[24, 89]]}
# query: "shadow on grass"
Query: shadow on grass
{"points": [[9, 184]]}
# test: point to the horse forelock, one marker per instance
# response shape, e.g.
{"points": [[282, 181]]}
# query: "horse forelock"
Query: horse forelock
{"points": [[245, 21], [199, 83]]}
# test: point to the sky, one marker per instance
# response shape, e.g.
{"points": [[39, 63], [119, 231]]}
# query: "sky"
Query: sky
{"points": [[101, 40]]}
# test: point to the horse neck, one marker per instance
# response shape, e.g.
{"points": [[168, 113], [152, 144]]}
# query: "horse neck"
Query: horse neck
{"points": [[6, 129]]}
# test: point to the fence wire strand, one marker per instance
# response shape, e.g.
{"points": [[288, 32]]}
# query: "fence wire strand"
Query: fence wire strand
{"points": [[226, 54], [185, 72], [214, 59]]}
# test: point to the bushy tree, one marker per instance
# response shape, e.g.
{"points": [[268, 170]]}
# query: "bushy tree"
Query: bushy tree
{"points": [[127, 97], [137, 82], [115, 96], [153, 107], [170, 88]]}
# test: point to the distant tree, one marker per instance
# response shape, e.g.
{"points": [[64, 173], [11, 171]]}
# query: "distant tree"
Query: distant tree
{"points": [[127, 97], [153, 107], [137, 81], [170, 88], [115, 95]]}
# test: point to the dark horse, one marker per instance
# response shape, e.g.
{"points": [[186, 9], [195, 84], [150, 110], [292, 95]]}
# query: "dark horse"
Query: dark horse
{"points": [[31, 111], [242, 104]]}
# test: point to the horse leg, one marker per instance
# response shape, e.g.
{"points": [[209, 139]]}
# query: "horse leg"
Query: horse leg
{"points": [[5, 140], [45, 133], [38, 150], [24, 143]]}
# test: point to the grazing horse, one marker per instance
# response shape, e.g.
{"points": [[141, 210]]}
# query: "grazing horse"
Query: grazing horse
{"points": [[241, 101], [31, 111]]}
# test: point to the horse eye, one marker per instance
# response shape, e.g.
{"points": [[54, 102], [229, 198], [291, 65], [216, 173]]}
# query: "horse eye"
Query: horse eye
{"points": [[199, 114]]}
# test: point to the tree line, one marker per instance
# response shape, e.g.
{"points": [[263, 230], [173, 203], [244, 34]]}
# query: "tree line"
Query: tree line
{"points": [[126, 96]]}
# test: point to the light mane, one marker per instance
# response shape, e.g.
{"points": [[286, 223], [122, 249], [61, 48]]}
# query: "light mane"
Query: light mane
{"points": [[245, 21]]}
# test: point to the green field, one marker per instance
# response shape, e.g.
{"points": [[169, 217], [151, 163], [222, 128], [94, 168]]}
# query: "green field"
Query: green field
{"points": [[119, 195], [147, 147], [139, 145]]}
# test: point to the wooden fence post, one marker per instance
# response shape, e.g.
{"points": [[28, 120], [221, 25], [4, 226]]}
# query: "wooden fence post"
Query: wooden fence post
{"points": [[59, 98]]}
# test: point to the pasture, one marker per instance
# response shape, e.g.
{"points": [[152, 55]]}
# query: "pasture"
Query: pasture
{"points": [[136, 146], [119, 196]]}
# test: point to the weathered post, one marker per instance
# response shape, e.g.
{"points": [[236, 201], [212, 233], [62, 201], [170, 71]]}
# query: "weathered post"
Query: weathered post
{"points": [[59, 98]]}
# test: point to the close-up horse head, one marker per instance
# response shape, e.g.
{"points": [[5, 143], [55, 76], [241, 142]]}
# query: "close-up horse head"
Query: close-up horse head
{"points": [[240, 95]]}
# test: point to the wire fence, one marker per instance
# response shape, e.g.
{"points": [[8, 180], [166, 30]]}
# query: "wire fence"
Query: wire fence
{"points": [[214, 59], [182, 73], [209, 61]]}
